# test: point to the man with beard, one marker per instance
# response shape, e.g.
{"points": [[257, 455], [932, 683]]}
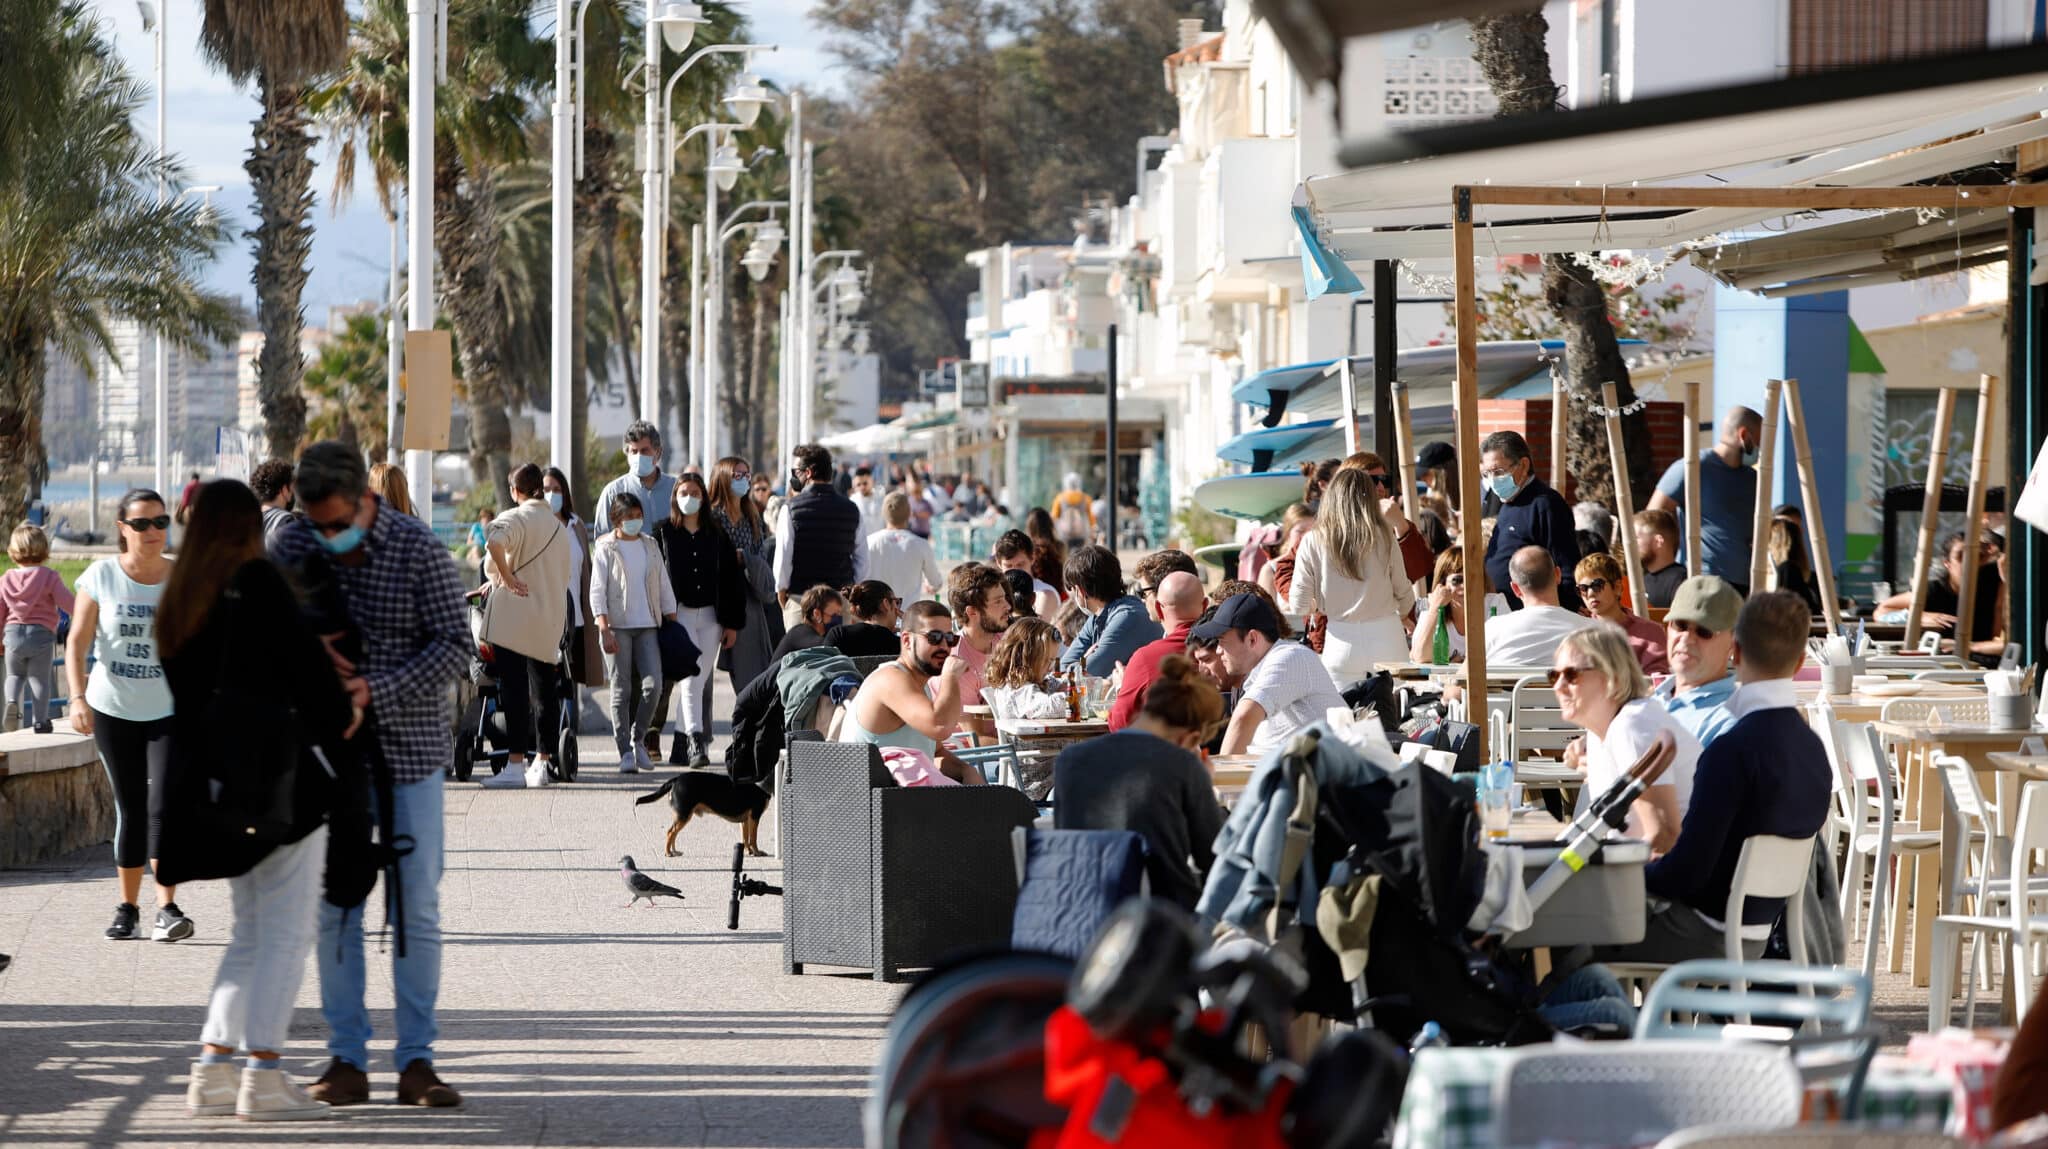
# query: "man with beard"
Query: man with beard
{"points": [[914, 702], [981, 602]]}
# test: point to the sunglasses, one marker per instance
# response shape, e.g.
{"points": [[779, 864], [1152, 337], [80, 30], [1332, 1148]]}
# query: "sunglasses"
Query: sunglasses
{"points": [[1380, 481], [1569, 675], [1593, 586], [1700, 632], [940, 637], [158, 523], [1146, 591], [1455, 580]]}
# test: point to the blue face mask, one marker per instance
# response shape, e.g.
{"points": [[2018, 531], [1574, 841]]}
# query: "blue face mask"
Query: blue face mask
{"points": [[1503, 487], [630, 528], [1750, 455], [643, 465], [555, 501], [740, 487], [344, 542]]}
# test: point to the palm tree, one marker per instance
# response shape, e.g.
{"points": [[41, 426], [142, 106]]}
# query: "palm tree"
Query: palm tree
{"points": [[84, 242], [31, 65], [346, 384], [283, 46]]}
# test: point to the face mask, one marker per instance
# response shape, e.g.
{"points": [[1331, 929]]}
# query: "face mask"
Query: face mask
{"points": [[1503, 487], [1750, 455], [689, 504], [630, 528], [344, 542], [643, 465], [740, 487], [555, 501]]}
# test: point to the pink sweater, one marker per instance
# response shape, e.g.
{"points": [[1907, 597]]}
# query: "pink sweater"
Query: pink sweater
{"points": [[33, 596]]}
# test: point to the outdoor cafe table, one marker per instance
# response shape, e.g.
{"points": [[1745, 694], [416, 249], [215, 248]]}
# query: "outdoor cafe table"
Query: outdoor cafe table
{"points": [[1449, 1100], [1988, 751], [1047, 737]]}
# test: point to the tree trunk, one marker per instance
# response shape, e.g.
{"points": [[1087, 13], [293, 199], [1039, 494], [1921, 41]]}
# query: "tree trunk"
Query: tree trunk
{"points": [[758, 399], [280, 171], [466, 237], [1510, 52], [21, 429], [732, 373], [674, 349]]}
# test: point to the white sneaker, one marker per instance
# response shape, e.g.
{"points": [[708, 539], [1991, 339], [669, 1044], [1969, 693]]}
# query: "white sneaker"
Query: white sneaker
{"points": [[640, 758], [271, 1095], [629, 761], [510, 778], [537, 774], [210, 1091]]}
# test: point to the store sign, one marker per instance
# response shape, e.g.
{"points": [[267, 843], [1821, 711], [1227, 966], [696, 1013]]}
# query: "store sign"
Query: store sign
{"points": [[973, 385]]}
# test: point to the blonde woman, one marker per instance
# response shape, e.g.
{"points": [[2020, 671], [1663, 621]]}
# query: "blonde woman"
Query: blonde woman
{"points": [[1014, 683], [1601, 688], [1349, 568], [389, 481]]}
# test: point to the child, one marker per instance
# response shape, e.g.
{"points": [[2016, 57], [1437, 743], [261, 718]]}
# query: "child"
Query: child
{"points": [[30, 596]]}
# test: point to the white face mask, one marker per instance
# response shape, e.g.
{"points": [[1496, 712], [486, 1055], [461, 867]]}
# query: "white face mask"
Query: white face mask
{"points": [[689, 504], [630, 528], [555, 501]]}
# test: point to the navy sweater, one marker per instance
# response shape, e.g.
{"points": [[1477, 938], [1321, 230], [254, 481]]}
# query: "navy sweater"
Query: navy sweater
{"points": [[1536, 517], [1768, 774]]}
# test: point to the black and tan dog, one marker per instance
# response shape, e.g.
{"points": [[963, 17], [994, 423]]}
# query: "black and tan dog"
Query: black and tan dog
{"points": [[694, 792]]}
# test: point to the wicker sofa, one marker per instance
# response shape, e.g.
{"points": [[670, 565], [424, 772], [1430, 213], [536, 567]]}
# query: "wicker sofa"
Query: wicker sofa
{"points": [[885, 878]]}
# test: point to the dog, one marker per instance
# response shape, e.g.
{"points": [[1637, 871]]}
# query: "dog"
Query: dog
{"points": [[694, 792]]}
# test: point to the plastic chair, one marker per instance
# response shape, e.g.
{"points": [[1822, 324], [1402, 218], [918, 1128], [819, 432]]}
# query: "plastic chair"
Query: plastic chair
{"points": [[1002, 756], [1806, 1137], [1634, 1094], [1825, 1022], [1771, 867], [2015, 930], [1975, 677], [1874, 837], [1952, 710], [1537, 728]]}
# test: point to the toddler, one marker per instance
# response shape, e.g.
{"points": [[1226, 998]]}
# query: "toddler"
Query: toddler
{"points": [[30, 596]]}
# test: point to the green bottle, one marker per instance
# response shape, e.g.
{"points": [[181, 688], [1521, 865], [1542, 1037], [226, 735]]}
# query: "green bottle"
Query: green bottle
{"points": [[1440, 645]]}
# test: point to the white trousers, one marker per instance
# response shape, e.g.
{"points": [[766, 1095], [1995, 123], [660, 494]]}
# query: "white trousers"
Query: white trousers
{"points": [[693, 694], [1351, 648], [277, 918]]}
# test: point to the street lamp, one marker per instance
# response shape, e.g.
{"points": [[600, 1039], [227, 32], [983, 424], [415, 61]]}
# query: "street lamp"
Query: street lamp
{"points": [[678, 23], [726, 166], [152, 22], [758, 261], [747, 98]]}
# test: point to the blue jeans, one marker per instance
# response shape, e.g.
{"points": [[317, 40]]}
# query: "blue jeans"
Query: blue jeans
{"points": [[416, 977], [1589, 995]]}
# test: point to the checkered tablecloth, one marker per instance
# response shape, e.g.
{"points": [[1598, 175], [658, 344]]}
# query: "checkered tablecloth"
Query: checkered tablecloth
{"points": [[1449, 1101]]}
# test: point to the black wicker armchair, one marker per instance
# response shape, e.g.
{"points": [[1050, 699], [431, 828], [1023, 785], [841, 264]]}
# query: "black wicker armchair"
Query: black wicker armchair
{"points": [[885, 878]]}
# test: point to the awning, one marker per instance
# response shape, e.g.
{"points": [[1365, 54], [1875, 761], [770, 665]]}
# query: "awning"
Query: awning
{"points": [[1858, 251], [1313, 390], [873, 439]]}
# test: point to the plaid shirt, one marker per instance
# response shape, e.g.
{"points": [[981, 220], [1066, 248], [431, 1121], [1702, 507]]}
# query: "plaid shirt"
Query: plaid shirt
{"points": [[407, 601]]}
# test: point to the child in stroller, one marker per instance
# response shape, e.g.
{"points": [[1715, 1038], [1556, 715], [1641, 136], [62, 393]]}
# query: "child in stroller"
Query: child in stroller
{"points": [[480, 731]]}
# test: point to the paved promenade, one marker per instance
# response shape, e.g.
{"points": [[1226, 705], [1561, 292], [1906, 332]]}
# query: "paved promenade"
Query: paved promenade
{"points": [[566, 1019]]}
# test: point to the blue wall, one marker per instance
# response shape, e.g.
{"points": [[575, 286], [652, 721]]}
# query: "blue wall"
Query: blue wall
{"points": [[1805, 338]]}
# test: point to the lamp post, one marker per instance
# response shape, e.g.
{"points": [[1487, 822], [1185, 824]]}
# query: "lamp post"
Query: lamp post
{"points": [[651, 300], [153, 22], [807, 385], [423, 62]]}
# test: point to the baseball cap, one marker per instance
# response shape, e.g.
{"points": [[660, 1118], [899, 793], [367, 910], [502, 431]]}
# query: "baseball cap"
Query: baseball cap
{"points": [[1435, 455], [1707, 601], [1240, 612]]}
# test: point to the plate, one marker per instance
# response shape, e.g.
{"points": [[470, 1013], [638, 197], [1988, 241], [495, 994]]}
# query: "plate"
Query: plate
{"points": [[1891, 689]]}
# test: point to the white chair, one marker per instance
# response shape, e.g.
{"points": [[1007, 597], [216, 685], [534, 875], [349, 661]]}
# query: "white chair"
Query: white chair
{"points": [[1951, 710], [2015, 929], [1874, 838], [1635, 1093], [1833, 1136], [1537, 729], [1771, 867]]}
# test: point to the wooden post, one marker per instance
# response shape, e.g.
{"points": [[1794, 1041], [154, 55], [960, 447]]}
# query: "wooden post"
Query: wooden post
{"points": [[1973, 524], [1692, 478], [1347, 385], [1767, 452], [1404, 445], [1624, 505], [1560, 409], [1465, 404], [1809, 492], [1930, 509]]}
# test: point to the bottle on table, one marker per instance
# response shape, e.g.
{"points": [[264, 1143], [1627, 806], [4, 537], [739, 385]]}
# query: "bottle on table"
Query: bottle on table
{"points": [[1440, 643], [1073, 697]]}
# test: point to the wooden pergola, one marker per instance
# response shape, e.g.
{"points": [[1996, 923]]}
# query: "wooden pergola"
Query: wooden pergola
{"points": [[1465, 397]]}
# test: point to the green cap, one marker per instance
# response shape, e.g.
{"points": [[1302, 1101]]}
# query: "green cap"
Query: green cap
{"points": [[1705, 600]]}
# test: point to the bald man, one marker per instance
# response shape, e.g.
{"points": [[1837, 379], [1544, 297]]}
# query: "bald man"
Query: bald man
{"points": [[1177, 603], [1727, 497]]}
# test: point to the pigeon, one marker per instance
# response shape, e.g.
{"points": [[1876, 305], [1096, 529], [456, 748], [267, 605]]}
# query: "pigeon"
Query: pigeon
{"points": [[642, 886]]}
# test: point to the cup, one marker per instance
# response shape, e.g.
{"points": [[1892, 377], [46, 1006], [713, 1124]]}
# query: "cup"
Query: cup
{"points": [[1837, 678], [2011, 711]]}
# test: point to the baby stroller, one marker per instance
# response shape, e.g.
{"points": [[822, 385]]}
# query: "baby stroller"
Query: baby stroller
{"points": [[480, 731]]}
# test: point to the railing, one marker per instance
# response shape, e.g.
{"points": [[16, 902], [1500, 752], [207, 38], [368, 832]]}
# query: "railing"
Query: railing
{"points": [[957, 542]]}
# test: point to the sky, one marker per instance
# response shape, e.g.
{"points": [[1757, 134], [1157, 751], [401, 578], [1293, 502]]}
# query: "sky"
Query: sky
{"points": [[210, 122]]}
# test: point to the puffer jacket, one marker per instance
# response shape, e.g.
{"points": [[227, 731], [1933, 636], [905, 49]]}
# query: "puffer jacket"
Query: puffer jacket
{"points": [[1073, 881]]}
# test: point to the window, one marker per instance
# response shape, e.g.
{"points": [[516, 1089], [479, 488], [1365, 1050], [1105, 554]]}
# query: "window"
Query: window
{"points": [[1831, 34]]}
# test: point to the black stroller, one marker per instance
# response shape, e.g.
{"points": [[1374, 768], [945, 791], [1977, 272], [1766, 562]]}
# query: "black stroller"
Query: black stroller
{"points": [[480, 731]]}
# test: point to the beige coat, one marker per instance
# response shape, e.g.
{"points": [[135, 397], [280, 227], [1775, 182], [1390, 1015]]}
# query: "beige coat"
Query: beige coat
{"points": [[536, 548]]}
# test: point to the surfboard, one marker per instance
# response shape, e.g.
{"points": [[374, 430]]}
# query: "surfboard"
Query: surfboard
{"points": [[1258, 496]]}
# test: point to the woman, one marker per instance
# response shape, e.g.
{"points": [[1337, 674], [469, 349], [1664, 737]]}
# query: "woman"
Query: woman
{"points": [[876, 610], [1015, 683], [1349, 568], [1602, 690], [1048, 553], [765, 501], [221, 602], [921, 508], [711, 602], [735, 512], [1447, 593], [1276, 576], [388, 480], [1146, 778], [1791, 568], [1599, 581], [1024, 593], [524, 619], [1987, 628], [126, 706], [630, 595], [586, 657]]}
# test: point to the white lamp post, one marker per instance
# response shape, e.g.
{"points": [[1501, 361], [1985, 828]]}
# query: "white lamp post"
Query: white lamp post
{"points": [[152, 22]]}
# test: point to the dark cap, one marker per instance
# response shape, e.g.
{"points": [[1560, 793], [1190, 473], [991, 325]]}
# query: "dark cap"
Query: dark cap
{"points": [[1435, 456], [1240, 612]]}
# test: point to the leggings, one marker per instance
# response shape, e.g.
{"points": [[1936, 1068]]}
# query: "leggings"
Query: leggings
{"points": [[134, 755], [30, 647]]}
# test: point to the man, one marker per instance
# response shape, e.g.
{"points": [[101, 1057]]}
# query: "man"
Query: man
{"points": [[186, 496], [817, 536], [1117, 622], [823, 608], [1699, 637], [401, 591], [1013, 552], [1727, 496], [1529, 636], [868, 499], [1073, 515], [1766, 775], [897, 556], [1285, 685], [1657, 538], [1177, 602], [1531, 514], [644, 478], [915, 701], [1156, 566], [981, 604], [1944, 597], [272, 482], [524, 619], [1416, 557], [842, 479]]}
